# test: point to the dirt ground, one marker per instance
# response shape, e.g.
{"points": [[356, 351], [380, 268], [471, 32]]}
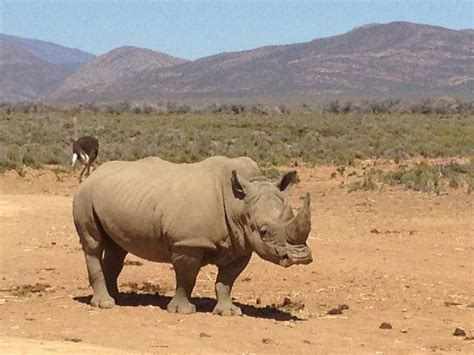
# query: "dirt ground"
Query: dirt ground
{"points": [[395, 256]]}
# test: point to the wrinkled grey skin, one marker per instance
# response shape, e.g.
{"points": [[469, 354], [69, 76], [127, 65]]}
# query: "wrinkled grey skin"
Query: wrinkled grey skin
{"points": [[217, 211]]}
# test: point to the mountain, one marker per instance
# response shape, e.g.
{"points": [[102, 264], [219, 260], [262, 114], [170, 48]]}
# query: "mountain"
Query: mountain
{"points": [[25, 77], [109, 75], [30, 68], [398, 58], [375, 59], [69, 59]]}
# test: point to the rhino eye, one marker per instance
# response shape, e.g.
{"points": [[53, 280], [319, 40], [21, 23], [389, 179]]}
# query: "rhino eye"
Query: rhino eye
{"points": [[264, 234]]}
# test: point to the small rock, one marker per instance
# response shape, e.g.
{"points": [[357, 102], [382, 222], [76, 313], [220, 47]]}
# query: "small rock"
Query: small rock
{"points": [[458, 332], [404, 331], [385, 325], [334, 311], [74, 340], [258, 301], [204, 335], [375, 231], [267, 341], [338, 309], [450, 303], [291, 305]]}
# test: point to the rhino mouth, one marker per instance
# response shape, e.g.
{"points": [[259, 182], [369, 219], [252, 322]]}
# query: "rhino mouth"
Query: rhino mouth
{"points": [[297, 254]]}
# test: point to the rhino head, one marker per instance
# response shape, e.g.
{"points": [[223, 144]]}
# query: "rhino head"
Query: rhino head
{"points": [[275, 233]]}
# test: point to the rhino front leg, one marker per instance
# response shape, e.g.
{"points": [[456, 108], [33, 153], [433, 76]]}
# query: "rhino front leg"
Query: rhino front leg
{"points": [[186, 263], [225, 279]]}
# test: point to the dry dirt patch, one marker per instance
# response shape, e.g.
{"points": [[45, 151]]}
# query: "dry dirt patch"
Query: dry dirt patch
{"points": [[415, 273]]}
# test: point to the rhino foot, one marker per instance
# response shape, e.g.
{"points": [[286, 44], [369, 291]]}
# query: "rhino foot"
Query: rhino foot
{"points": [[227, 310], [181, 306], [102, 302]]}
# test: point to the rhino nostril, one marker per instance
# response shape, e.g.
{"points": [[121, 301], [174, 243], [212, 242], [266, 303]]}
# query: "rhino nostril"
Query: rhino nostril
{"points": [[285, 260]]}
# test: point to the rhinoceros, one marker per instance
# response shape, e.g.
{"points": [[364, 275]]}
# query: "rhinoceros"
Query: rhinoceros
{"points": [[217, 211]]}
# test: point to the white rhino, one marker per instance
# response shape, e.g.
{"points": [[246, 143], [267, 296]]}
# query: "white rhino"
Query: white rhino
{"points": [[213, 212]]}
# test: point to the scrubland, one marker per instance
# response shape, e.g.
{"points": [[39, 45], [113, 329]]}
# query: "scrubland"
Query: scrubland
{"points": [[421, 146]]}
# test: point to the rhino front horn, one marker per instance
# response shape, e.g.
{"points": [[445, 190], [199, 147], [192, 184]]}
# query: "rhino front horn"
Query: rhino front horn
{"points": [[300, 226]]}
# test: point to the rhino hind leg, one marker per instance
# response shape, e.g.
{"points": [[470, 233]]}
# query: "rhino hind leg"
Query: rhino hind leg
{"points": [[112, 265], [101, 297], [186, 263], [225, 280], [92, 244]]}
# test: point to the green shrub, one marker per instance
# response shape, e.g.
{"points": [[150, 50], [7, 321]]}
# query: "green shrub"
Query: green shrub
{"points": [[431, 178]]}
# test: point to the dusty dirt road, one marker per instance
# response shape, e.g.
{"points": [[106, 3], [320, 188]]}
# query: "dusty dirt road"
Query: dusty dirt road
{"points": [[399, 257]]}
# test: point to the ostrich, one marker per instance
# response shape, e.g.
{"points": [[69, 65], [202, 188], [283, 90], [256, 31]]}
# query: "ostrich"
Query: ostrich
{"points": [[85, 148]]}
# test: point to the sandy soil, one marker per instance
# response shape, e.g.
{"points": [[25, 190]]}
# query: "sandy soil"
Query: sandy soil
{"points": [[395, 256]]}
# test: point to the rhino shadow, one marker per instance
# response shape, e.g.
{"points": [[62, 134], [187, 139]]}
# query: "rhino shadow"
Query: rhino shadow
{"points": [[203, 305]]}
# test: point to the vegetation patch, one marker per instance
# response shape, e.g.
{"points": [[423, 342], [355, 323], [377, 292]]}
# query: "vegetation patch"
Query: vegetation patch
{"points": [[423, 177], [35, 138]]}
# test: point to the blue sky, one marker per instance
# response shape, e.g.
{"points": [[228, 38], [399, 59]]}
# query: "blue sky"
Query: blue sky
{"points": [[197, 28]]}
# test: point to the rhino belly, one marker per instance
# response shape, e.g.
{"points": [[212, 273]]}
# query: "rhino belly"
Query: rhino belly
{"points": [[137, 236]]}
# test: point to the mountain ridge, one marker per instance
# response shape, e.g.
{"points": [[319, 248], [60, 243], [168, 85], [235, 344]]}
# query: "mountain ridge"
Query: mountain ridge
{"points": [[117, 64], [24, 76], [68, 58], [373, 59]]}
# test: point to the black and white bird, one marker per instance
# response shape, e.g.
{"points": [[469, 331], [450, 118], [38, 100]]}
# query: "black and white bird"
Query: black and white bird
{"points": [[85, 149]]}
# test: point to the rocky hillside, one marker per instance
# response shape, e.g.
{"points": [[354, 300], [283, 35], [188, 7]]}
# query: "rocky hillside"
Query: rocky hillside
{"points": [[69, 59], [30, 68], [25, 77], [110, 75]]}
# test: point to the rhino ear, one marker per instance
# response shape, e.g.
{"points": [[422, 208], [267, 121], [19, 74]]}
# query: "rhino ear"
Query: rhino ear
{"points": [[240, 186], [286, 180]]}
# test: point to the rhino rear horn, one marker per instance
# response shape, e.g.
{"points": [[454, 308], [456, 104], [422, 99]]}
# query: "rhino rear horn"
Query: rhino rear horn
{"points": [[300, 226]]}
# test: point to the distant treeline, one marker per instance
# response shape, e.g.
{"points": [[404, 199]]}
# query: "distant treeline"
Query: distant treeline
{"points": [[122, 107], [437, 106]]}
